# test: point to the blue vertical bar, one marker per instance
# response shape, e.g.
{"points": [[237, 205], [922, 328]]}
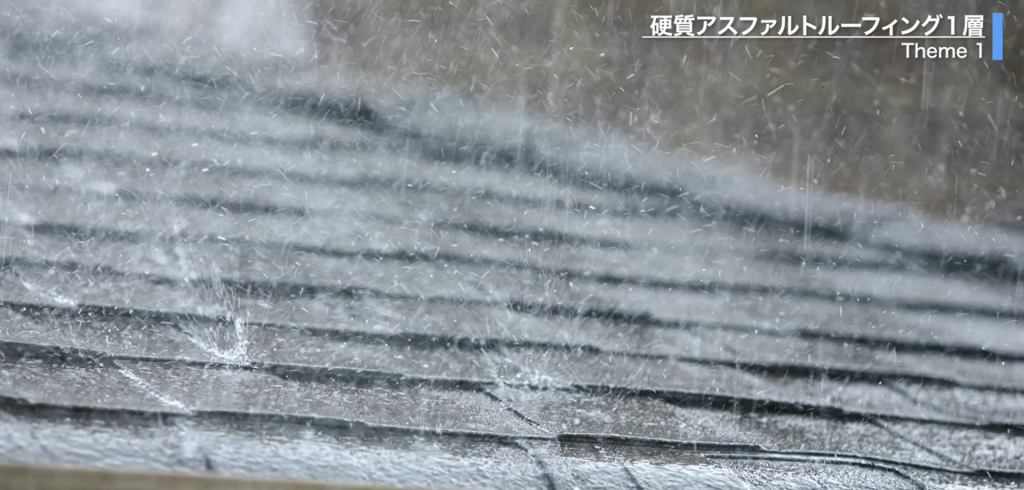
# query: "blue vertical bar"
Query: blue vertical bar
{"points": [[997, 37]]}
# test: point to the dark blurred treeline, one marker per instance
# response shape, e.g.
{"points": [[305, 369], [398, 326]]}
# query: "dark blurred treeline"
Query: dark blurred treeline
{"points": [[853, 116]]}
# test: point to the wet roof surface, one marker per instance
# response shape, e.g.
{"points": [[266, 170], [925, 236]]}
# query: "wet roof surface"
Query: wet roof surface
{"points": [[222, 269]]}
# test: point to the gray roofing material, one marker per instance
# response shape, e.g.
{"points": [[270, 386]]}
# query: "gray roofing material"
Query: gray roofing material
{"points": [[222, 269]]}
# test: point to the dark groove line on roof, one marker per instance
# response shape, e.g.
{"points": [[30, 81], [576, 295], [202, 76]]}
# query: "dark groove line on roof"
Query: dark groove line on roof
{"points": [[632, 478], [808, 457], [752, 451], [916, 444], [746, 404], [513, 410], [342, 427], [1002, 268], [919, 485], [866, 462], [292, 289], [533, 234], [203, 202], [224, 134], [363, 182], [903, 392], [827, 460], [978, 267], [338, 427], [545, 470], [880, 464], [14, 351]]}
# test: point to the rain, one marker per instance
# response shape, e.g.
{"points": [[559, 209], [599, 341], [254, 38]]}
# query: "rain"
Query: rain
{"points": [[490, 244]]}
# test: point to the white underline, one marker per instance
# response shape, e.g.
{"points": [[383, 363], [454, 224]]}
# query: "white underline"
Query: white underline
{"points": [[813, 37]]}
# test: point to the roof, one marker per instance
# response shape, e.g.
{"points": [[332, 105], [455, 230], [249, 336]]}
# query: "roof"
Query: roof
{"points": [[228, 269]]}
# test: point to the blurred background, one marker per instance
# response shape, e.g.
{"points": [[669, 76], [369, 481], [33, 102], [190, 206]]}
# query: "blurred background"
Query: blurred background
{"points": [[850, 116]]}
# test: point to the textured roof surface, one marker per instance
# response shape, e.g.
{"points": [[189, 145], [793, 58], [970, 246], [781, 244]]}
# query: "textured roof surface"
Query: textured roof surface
{"points": [[218, 267]]}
